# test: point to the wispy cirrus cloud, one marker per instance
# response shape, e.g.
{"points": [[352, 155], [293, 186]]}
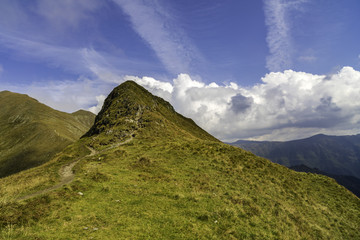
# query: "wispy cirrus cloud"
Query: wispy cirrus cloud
{"points": [[152, 22], [47, 20], [94, 73], [55, 56], [66, 13], [82, 61], [279, 40]]}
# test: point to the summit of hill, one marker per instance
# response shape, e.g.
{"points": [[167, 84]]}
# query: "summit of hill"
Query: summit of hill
{"points": [[143, 171], [130, 107]]}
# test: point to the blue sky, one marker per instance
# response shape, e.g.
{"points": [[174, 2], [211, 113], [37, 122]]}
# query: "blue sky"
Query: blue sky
{"points": [[271, 69]]}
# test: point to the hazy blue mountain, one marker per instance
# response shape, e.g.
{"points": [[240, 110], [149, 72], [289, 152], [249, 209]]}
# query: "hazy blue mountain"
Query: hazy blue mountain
{"points": [[331, 154], [350, 182]]}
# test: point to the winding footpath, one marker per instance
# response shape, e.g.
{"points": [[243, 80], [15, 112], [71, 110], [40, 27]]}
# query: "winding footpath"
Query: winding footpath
{"points": [[66, 172]]}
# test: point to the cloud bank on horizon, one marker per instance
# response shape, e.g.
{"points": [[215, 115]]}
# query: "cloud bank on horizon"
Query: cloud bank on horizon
{"points": [[285, 106], [162, 55]]}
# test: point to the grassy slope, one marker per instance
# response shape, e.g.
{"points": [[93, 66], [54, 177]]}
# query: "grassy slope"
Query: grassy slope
{"points": [[350, 182], [172, 181], [85, 117], [32, 133], [332, 154]]}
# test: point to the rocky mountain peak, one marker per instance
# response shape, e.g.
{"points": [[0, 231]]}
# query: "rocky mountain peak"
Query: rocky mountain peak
{"points": [[130, 107]]}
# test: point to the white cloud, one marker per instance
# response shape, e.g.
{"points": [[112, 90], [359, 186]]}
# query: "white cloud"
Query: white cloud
{"points": [[1, 69], [68, 58], [279, 32], [81, 61], [286, 105], [100, 101], [160, 31], [68, 95], [45, 20], [161, 89], [98, 73]]}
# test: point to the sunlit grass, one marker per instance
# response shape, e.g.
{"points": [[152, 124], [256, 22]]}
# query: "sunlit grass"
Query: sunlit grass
{"points": [[33, 133], [174, 182], [178, 190]]}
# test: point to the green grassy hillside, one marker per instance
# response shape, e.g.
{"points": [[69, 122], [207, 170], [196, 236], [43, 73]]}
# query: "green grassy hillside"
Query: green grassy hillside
{"points": [[331, 154], [32, 133], [350, 182], [85, 117], [145, 172]]}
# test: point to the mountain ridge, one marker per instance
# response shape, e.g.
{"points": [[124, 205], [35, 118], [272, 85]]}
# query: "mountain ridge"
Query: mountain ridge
{"points": [[138, 109], [350, 182], [332, 154], [156, 174], [32, 133]]}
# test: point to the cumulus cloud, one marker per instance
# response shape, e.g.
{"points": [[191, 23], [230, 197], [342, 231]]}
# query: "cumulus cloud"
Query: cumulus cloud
{"points": [[153, 23], [159, 88], [278, 36], [240, 103], [100, 101], [286, 105]]}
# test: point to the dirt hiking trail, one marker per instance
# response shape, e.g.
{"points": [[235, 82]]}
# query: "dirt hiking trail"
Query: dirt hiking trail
{"points": [[66, 172]]}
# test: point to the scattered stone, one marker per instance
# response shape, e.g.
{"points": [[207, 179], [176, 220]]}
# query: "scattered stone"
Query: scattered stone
{"points": [[80, 193], [215, 221], [86, 228], [95, 229], [117, 200]]}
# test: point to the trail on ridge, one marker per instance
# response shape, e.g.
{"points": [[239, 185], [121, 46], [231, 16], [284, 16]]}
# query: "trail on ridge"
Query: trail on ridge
{"points": [[66, 172]]}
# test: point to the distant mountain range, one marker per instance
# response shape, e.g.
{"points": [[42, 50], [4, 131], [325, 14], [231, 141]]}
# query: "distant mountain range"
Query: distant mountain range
{"points": [[337, 157], [144, 171], [350, 182], [31, 133], [331, 154]]}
